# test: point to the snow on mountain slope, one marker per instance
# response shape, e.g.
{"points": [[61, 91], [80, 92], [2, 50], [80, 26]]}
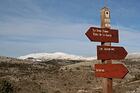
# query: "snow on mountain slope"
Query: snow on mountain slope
{"points": [[133, 56], [56, 55]]}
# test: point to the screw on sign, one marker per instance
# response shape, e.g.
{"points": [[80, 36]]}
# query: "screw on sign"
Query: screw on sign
{"points": [[111, 52], [102, 35], [110, 70]]}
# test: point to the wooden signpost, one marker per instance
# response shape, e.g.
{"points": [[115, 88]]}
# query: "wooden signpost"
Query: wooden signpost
{"points": [[106, 53], [111, 53], [110, 70], [102, 35]]}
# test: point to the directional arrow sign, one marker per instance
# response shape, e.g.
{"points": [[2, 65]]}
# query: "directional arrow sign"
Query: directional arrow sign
{"points": [[102, 35], [110, 52], [110, 70]]}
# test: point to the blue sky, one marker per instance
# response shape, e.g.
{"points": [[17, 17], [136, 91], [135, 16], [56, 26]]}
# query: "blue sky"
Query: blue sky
{"points": [[32, 26]]}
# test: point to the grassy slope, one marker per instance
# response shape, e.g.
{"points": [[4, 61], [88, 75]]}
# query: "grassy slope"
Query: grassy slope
{"points": [[53, 77]]}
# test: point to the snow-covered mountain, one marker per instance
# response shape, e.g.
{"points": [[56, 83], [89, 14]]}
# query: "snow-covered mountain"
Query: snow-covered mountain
{"points": [[56, 55], [133, 56], [65, 56]]}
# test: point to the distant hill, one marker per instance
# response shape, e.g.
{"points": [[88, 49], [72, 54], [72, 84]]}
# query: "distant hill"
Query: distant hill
{"points": [[133, 56], [65, 56], [63, 73], [56, 55]]}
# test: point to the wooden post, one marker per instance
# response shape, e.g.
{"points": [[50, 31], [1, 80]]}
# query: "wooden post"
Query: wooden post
{"points": [[105, 23]]}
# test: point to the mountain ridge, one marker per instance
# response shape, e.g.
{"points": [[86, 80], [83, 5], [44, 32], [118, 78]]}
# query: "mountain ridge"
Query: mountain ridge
{"points": [[66, 56], [56, 55]]}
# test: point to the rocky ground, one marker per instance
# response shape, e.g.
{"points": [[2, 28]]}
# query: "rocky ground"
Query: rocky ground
{"points": [[61, 76]]}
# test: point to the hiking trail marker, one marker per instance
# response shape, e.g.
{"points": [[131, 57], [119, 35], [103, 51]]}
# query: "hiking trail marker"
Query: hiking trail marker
{"points": [[110, 70], [106, 53], [111, 52], [102, 35]]}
